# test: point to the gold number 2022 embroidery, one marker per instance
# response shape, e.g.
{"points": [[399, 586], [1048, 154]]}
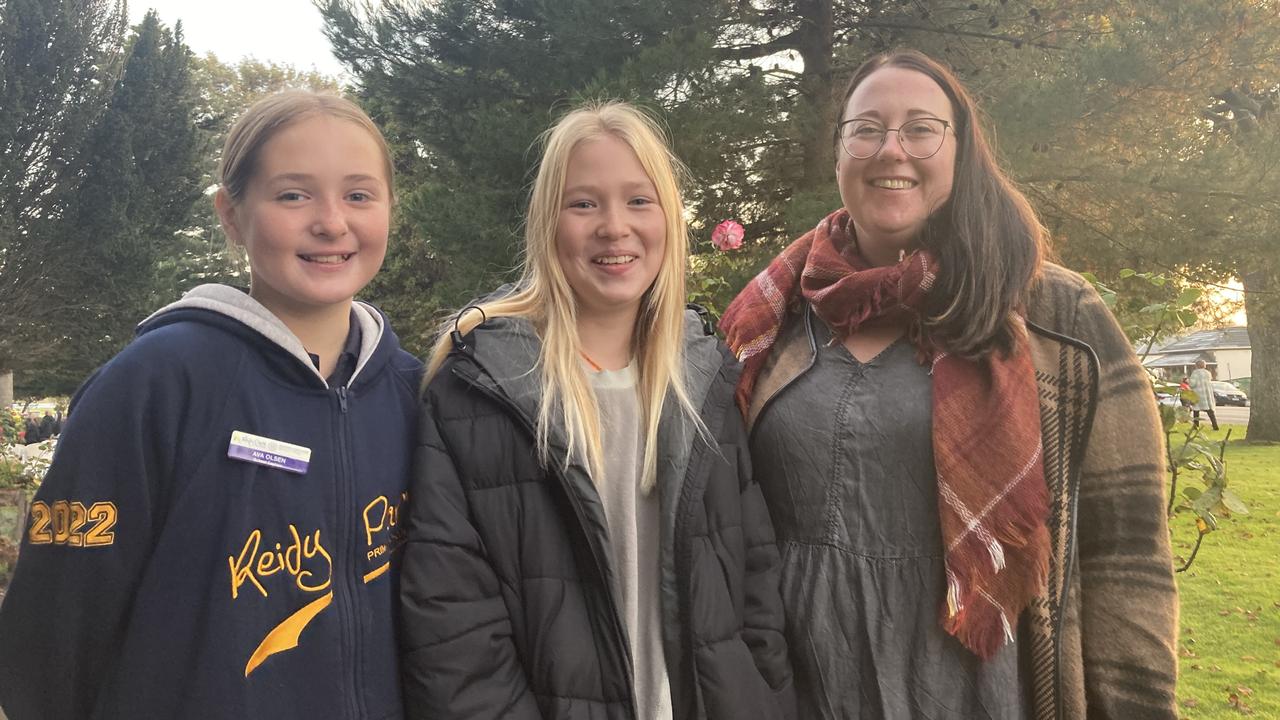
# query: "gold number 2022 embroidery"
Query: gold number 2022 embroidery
{"points": [[63, 523]]}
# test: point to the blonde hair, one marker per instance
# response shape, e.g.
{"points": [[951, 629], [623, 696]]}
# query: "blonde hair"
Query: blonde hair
{"points": [[274, 113], [544, 296]]}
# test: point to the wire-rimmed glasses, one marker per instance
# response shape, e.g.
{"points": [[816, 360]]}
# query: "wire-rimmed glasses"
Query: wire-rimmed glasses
{"points": [[921, 138]]}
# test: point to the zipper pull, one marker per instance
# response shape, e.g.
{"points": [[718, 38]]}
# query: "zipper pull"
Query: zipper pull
{"points": [[342, 398]]}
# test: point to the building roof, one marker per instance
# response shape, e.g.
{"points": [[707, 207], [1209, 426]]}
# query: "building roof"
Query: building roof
{"points": [[1173, 360], [1231, 338]]}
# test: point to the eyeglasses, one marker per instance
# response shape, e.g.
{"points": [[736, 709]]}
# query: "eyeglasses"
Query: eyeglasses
{"points": [[920, 138]]}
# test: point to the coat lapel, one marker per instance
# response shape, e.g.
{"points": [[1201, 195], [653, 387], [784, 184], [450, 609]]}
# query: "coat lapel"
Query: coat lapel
{"points": [[1067, 380]]}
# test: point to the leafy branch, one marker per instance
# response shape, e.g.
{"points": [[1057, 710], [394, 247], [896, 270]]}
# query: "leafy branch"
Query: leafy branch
{"points": [[1189, 454]]}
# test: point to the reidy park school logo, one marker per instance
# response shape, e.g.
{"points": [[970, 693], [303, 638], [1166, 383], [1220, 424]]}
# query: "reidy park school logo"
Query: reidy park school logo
{"points": [[299, 563], [302, 559]]}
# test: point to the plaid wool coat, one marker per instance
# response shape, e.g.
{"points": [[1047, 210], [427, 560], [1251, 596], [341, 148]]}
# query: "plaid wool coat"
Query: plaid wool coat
{"points": [[1100, 643]]}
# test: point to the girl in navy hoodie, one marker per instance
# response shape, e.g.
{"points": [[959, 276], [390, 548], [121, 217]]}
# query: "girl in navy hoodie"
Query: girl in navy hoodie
{"points": [[217, 536]]}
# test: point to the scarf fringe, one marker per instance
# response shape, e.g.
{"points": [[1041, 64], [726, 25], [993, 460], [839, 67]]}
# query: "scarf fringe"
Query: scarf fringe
{"points": [[982, 626], [954, 604], [973, 611], [997, 554]]}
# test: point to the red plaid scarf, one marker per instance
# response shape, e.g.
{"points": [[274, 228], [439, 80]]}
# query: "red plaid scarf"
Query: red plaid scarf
{"points": [[992, 498]]}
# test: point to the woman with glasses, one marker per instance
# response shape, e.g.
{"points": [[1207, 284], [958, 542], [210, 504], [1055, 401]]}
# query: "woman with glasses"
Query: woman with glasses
{"points": [[959, 450]]}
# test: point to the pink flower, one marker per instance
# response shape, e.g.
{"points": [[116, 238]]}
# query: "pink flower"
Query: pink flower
{"points": [[728, 235]]}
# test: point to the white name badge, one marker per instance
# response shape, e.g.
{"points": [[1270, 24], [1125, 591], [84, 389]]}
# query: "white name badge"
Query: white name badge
{"points": [[271, 453]]}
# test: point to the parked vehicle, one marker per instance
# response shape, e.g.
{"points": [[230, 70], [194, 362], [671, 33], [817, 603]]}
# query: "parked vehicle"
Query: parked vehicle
{"points": [[1224, 393]]}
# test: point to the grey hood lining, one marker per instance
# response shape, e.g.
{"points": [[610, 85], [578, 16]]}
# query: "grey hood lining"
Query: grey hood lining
{"points": [[242, 308]]}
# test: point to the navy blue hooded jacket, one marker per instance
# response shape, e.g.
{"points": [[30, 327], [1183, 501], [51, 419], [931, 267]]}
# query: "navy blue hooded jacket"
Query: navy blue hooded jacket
{"points": [[162, 578]]}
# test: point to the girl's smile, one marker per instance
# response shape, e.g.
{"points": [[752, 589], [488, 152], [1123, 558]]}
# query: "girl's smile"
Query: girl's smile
{"points": [[611, 232], [314, 219]]}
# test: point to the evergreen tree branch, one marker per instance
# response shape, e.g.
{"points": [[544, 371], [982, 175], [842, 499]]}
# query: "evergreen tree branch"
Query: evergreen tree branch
{"points": [[790, 41]]}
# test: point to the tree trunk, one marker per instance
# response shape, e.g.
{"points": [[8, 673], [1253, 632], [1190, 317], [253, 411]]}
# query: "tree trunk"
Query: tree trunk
{"points": [[816, 45], [6, 388], [1262, 305]]}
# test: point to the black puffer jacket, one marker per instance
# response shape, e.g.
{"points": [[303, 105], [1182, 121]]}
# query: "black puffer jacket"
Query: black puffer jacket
{"points": [[509, 600]]}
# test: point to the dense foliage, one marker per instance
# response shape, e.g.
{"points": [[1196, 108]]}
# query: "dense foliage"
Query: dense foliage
{"points": [[1139, 130], [110, 137], [100, 168], [1144, 133]]}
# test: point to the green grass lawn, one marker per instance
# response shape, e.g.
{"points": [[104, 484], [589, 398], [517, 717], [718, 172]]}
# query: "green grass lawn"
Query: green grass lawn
{"points": [[1230, 641]]}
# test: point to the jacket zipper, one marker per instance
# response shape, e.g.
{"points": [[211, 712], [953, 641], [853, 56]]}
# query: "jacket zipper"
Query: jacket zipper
{"points": [[684, 560], [702, 447], [616, 624], [348, 597]]}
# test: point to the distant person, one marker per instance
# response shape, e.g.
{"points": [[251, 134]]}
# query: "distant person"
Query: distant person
{"points": [[1202, 385], [32, 431], [1184, 387], [47, 426], [217, 536]]}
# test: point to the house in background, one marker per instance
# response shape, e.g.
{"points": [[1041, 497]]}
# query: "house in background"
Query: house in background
{"points": [[1225, 352]]}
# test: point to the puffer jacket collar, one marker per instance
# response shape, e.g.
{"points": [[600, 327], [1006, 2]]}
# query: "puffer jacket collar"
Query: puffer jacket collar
{"points": [[505, 351]]}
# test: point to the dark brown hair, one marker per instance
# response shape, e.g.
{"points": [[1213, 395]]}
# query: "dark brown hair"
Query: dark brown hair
{"points": [[986, 236]]}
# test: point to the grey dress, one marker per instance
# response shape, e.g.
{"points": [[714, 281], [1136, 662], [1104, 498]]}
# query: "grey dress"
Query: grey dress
{"points": [[845, 459]]}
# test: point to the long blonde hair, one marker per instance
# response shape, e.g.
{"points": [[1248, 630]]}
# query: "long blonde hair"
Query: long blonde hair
{"points": [[544, 297]]}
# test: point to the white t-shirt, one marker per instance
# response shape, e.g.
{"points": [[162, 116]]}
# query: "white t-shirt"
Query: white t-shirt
{"points": [[633, 519]]}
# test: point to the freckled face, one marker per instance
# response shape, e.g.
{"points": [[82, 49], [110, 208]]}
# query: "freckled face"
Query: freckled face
{"points": [[611, 233], [315, 216], [890, 195]]}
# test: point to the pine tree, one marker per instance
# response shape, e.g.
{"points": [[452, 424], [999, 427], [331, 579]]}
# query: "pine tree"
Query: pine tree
{"points": [[1155, 149], [747, 90], [1127, 123], [58, 60], [141, 172], [121, 198]]}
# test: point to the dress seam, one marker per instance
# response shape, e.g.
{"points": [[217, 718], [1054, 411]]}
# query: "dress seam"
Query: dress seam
{"points": [[840, 431]]}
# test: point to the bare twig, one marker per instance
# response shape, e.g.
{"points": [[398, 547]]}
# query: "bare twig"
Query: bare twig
{"points": [[1194, 550]]}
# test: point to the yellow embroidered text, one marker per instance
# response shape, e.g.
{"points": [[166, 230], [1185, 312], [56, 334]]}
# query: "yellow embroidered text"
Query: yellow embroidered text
{"points": [[380, 516], [72, 524], [298, 559]]}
